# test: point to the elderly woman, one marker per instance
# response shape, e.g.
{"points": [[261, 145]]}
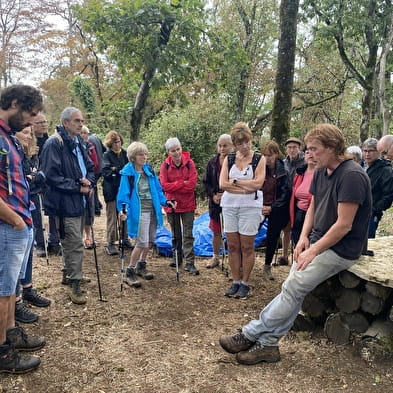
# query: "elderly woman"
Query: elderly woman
{"points": [[241, 178], [356, 153], [211, 184], [114, 160], [178, 178], [141, 195], [277, 191]]}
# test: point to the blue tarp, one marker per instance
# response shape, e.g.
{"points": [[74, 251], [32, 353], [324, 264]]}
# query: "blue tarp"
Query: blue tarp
{"points": [[202, 238]]}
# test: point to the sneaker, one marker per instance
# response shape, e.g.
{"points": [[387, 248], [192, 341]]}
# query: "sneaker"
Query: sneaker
{"points": [[236, 343], [215, 261], [22, 342], [267, 273], [40, 252], [243, 292], [23, 314], [232, 290], [190, 268], [282, 261], [368, 253], [75, 293], [131, 278], [111, 249], [11, 361], [259, 353], [141, 270], [31, 296]]}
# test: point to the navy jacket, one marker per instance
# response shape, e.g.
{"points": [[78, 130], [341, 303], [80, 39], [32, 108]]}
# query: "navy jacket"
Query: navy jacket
{"points": [[60, 165]]}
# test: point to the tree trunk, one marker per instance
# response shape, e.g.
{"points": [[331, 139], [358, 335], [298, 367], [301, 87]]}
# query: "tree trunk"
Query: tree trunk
{"points": [[144, 89], [282, 104], [348, 279], [336, 330], [349, 301], [371, 304]]}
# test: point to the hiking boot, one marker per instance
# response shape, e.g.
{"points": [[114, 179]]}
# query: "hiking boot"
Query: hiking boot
{"points": [[76, 295], [243, 292], [141, 271], [11, 361], [282, 261], [31, 296], [236, 343], [54, 249], [259, 353], [22, 342], [40, 252], [267, 273], [232, 290], [215, 261], [111, 249], [66, 281], [23, 314], [190, 268], [128, 244], [131, 278]]}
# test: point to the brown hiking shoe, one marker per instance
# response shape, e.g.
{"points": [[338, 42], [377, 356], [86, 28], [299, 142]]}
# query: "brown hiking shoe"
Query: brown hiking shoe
{"points": [[236, 343], [215, 261], [13, 362], [259, 353], [267, 273], [76, 295], [22, 342]]}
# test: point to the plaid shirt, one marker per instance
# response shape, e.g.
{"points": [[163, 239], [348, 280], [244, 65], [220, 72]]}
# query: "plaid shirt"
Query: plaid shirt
{"points": [[14, 188]]}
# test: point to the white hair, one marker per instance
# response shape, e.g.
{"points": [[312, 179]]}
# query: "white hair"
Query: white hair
{"points": [[171, 143]]}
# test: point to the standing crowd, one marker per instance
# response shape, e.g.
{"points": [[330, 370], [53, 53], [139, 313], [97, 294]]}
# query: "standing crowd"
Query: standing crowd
{"points": [[315, 200]]}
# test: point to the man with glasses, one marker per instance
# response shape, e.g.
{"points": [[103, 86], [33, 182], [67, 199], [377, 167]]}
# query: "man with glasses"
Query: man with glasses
{"points": [[380, 174], [385, 147], [70, 177]]}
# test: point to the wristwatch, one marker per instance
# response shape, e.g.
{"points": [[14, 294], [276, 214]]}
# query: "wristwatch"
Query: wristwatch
{"points": [[234, 182]]}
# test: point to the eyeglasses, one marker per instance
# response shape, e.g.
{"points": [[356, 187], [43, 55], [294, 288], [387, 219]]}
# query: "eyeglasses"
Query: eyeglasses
{"points": [[369, 151], [40, 122]]}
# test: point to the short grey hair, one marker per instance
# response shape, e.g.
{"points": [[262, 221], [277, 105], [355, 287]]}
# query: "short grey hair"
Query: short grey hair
{"points": [[355, 150], [134, 149], [370, 142], [171, 143], [67, 113]]}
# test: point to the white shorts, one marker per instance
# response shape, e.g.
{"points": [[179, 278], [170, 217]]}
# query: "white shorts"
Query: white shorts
{"points": [[244, 220]]}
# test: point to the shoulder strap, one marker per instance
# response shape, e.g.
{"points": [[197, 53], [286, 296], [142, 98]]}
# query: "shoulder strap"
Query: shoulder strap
{"points": [[255, 161], [231, 160], [58, 136], [131, 181]]}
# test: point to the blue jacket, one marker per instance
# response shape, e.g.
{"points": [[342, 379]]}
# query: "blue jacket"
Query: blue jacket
{"points": [[131, 196]]}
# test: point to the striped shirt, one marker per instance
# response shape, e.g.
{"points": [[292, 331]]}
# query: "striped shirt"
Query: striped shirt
{"points": [[14, 188]]}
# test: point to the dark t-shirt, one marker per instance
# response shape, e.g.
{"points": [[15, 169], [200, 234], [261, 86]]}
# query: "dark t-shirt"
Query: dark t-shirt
{"points": [[347, 183]]}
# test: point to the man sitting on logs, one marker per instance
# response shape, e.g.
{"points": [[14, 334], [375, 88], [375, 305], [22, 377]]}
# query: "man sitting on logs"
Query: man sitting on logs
{"points": [[332, 240]]}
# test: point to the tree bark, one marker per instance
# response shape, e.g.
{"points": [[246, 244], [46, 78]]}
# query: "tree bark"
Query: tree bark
{"points": [[282, 104], [336, 330]]}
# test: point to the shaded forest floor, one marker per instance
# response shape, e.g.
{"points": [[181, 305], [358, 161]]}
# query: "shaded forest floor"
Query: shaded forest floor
{"points": [[164, 337]]}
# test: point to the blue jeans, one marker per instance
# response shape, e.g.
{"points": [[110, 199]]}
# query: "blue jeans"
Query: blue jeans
{"points": [[278, 316], [15, 247]]}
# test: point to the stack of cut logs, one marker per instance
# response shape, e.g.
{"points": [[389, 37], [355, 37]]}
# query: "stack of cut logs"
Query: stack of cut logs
{"points": [[345, 305]]}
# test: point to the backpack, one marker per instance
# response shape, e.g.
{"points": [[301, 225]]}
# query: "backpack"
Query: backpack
{"points": [[254, 163], [131, 178]]}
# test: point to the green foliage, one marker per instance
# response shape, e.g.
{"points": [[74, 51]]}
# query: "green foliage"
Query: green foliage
{"points": [[197, 126], [83, 90]]}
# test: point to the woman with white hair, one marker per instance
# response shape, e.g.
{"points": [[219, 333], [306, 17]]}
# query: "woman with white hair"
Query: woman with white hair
{"points": [[212, 188], [178, 177], [141, 193]]}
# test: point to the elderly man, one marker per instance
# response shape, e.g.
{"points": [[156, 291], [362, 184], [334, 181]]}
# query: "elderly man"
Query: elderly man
{"points": [[385, 147], [70, 177], [332, 240], [380, 174], [19, 105]]}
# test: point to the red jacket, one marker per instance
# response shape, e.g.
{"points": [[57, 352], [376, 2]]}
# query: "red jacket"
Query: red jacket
{"points": [[179, 183]]}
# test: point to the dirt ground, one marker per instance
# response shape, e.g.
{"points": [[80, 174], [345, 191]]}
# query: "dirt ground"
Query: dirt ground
{"points": [[164, 337]]}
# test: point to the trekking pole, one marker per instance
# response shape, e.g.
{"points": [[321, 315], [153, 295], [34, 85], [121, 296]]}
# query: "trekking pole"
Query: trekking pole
{"points": [[43, 229], [121, 247], [224, 265], [88, 206], [175, 241]]}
